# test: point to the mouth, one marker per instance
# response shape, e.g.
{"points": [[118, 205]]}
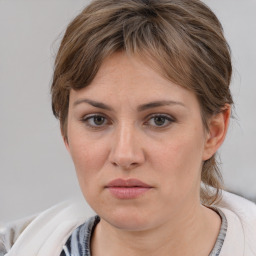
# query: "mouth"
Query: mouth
{"points": [[127, 189]]}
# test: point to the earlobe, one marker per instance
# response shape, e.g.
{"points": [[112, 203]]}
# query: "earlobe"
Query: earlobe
{"points": [[63, 130], [65, 139], [218, 126]]}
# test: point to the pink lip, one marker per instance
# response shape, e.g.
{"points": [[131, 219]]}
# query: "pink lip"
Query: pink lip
{"points": [[127, 189], [127, 183]]}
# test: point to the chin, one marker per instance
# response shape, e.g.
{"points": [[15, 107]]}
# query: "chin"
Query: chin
{"points": [[130, 215], [130, 220]]}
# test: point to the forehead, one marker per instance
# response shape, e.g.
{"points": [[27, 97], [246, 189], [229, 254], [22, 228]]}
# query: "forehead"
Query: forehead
{"points": [[123, 77]]}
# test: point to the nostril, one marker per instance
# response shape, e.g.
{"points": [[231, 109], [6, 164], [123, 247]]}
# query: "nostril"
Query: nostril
{"points": [[125, 166], [114, 163]]}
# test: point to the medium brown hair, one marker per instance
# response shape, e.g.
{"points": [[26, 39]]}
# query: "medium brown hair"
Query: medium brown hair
{"points": [[183, 39]]}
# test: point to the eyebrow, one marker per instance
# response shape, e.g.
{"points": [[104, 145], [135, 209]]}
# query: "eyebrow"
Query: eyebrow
{"points": [[160, 103], [140, 108], [95, 104]]}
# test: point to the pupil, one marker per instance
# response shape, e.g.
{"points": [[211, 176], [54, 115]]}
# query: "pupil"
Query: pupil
{"points": [[159, 120], [98, 120]]}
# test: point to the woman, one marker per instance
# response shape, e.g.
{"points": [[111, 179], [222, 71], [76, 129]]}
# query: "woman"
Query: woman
{"points": [[141, 89]]}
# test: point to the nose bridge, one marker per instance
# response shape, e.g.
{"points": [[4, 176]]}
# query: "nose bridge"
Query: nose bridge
{"points": [[124, 140], [126, 151]]}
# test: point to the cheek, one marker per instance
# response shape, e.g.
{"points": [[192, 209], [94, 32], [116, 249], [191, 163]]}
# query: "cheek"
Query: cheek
{"points": [[180, 159], [88, 157], [88, 161]]}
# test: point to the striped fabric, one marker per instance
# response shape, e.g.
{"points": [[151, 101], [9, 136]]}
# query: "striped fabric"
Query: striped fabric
{"points": [[222, 234], [78, 243]]}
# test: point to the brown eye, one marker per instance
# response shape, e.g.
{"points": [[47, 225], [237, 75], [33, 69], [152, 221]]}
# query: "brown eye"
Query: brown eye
{"points": [[95, 121], [98, 120], [160, 121]]}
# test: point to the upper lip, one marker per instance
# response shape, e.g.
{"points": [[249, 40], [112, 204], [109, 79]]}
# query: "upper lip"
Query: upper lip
{"points": [[127, 183]]}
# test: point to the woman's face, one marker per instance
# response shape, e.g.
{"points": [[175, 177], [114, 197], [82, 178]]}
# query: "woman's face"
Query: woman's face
{"points": [[138, 143]]}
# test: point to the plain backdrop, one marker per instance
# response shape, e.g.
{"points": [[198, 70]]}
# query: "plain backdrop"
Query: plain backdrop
{"points": [[35, 169]]}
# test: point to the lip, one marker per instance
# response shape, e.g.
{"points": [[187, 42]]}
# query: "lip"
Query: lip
{"points": [[127, 189], [127, 183]]}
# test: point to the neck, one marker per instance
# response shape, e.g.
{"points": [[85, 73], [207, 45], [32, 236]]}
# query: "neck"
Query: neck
{"points": [[193, 231]]}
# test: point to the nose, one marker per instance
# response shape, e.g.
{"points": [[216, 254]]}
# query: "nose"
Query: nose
{"points": [[126, 151]]}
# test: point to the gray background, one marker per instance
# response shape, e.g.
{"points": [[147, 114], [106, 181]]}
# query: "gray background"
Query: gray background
{"points": [[36, 171]]}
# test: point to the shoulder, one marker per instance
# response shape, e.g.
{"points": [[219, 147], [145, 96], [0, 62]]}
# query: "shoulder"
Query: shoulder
{"points": [[80, 239], [244, 209], [241, 217], [47, 232], [10, 232]]}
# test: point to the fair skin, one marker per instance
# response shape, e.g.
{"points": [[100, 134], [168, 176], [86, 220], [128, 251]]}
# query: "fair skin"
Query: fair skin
{"points": [[131, 123]]}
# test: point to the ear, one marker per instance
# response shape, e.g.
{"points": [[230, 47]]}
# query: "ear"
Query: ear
{"points": [[65, 138], [218, 126]]}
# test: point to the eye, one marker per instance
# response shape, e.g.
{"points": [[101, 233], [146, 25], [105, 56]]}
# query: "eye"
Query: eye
{"points": [[95, 120], [160, 120]]}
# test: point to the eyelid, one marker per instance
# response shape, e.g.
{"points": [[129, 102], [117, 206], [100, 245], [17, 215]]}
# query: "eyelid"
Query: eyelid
{"points": [[168, 117], [86, 116], [85, 120]]}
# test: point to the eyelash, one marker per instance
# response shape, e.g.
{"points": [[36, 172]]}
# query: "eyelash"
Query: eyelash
{"points": [[167, 118], [92, 117], [87, 119]]}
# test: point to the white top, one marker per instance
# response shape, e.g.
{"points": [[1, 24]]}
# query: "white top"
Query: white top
{"points": [[57, 223]]}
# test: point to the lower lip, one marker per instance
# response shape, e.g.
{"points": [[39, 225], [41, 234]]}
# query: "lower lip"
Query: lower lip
{"points": [[128, 192]]}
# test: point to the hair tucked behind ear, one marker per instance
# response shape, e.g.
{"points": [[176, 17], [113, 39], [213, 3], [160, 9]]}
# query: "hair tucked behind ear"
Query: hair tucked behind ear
{"points": [[183, 39], [211, 178]]}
